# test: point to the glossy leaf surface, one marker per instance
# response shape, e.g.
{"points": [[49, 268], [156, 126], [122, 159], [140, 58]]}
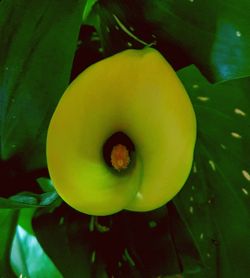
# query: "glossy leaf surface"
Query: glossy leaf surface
{"points": [[8, 221], [32, 55], [215, 201], [27, 257]]}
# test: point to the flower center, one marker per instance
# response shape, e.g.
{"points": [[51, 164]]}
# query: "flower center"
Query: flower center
{"points": [[117, 151], [120, 157]]}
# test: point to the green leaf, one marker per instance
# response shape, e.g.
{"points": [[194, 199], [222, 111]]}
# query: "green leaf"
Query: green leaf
{"points": [[213, 35], [46, 184], [38, 40], [31, 200], [188, 255], [215, 201], [8, 220], [27, 257], [87, 9]]}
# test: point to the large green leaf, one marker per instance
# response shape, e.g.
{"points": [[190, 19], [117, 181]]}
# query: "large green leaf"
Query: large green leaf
{"points": [[215, 201], [27, 257], [38, 40], [214, 34], [8, 220], [189, 258]]}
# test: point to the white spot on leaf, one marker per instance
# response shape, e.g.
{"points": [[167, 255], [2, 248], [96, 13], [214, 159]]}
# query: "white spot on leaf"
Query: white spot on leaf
{"points": [[202, 98], [244, 191], [211, 163], [236, 135], [223, 146], [246, 175], [201, 236], [191, 209], [239, 112], [195, 86], [194, 168], [238, 33]]}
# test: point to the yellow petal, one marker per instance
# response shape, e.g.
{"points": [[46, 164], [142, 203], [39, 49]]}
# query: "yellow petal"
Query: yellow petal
{"points": [[138, 93]]}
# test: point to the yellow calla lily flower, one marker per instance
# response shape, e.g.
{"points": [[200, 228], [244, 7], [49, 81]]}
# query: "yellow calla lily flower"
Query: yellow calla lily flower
{"points": [[122, 135]]}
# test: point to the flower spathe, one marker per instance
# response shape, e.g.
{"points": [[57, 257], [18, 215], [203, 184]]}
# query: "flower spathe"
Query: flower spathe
{"points": [[135, 92]]}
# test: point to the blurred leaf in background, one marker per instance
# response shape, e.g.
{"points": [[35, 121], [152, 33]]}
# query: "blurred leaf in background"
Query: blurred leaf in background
{"points": [[213, 35], [38, 41], [27, 257], [48, 197], [8, 221]]}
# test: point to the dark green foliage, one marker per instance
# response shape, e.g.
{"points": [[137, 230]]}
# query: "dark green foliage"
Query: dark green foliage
{"points": [[124, 245], [204, 231], [65, 236], [32, 56], [27, 257], [214, 35], [35, 61], [8, 220], [215, 201]]}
